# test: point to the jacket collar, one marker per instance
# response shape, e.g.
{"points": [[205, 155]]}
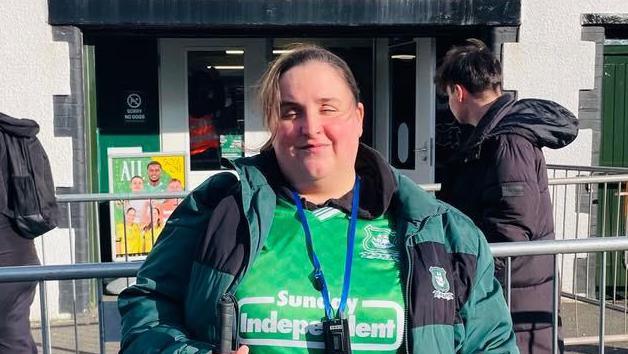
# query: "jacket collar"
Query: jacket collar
{"points": [[384, 189], [487, 124], [378, 183]]}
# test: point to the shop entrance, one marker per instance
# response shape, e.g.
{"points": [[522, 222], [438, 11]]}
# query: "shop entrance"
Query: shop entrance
{"points": [[208, 108]]}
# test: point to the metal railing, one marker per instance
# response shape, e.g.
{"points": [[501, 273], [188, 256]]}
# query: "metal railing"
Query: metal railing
{"points": [[42, 274], [580, 212], [586, 207], [558, 171]]}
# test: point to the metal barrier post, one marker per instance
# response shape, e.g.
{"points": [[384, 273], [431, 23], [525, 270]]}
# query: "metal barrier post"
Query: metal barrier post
{"points": [[101, 317], [508, 281], [555, 305], [43, 306], [602, 302], [574, 288], [616, 254], [45, 326], [76, 339], [588, 265]]}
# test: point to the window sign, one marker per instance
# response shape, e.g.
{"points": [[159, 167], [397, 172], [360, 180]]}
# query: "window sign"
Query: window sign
{"points": [[231, 146], [133, 107], [136, 224]]}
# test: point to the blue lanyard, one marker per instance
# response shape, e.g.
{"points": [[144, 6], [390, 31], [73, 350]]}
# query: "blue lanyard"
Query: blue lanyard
{"points": [[318, 272]]}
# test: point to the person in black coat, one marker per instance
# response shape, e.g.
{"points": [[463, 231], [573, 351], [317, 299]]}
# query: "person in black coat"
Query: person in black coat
{"points": [[15, 250], [499, 179]]}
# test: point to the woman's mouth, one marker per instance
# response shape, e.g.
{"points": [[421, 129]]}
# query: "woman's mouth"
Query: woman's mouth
{"points": [[313, 147]]}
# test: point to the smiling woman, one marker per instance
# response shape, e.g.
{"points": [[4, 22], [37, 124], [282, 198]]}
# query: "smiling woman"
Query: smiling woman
{"points": [[317, 135], [276, 236]]}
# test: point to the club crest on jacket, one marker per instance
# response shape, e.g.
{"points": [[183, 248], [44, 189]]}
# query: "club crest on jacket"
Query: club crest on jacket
{"points": [[441, 284]]}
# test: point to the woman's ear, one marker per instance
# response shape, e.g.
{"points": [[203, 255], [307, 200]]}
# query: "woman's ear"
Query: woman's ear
{"points": [[359, 110]]}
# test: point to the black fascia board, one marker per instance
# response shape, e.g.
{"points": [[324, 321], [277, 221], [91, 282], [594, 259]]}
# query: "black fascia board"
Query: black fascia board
{"points": [[199, 14]]}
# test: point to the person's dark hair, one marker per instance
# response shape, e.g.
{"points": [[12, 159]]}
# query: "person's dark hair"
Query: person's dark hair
{"points": [[136, 176], [299, 54], [153, 163], [471, 65]]}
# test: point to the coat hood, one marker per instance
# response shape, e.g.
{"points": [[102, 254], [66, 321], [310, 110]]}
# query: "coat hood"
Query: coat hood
{"points": [[543, 123], [18, 127]]}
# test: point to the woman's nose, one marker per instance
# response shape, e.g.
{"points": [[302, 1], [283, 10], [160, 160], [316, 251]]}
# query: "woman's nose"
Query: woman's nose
{"points": [[311, 123]]}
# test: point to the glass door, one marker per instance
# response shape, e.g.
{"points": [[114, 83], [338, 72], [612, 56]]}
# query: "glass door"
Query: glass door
{"points": [[207, 100], [406, 104]]}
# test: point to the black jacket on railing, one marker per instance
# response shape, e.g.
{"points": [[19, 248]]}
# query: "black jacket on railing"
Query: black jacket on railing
{"points": [[499, 179]]}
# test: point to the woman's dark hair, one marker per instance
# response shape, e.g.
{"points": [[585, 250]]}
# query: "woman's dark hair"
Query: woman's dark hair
{"points": [[471, 65], [298, 54]]}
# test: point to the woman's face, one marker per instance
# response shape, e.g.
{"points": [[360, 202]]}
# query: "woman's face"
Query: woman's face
{"points": [[174, 186], [319, 126], [130, 216], [156, 216], [137, 184]]}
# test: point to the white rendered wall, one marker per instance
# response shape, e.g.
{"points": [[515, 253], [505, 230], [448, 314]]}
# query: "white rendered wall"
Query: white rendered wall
{"points": [[550, 61], [33, 68]]}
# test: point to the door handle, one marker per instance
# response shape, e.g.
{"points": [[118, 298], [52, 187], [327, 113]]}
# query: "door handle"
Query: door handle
{"points": [[426, 152]]}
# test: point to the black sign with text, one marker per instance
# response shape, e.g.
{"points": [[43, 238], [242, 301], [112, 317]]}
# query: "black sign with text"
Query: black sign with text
{"points": [[127, 85], [133, 107]]}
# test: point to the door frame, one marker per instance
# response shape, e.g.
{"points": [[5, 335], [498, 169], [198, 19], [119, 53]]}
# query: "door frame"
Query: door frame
{"points": [[425, 107], [173, 102]]}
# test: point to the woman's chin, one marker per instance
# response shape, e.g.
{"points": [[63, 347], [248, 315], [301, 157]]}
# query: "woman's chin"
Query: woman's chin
{"points": [[317, 172]]}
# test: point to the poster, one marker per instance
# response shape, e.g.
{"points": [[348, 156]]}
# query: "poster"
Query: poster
{"points": [[231, 146], [136, 224]]}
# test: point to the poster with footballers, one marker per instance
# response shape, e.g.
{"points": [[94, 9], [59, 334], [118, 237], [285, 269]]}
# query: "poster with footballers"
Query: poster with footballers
{"points": [[137, 223]]}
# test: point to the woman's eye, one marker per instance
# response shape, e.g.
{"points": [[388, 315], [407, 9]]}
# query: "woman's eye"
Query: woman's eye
{"points": [[329, 109], [289, 115]]}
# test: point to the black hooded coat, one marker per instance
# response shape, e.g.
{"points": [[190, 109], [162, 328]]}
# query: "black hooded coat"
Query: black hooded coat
{"points": [[499, 179], [15, 298]]}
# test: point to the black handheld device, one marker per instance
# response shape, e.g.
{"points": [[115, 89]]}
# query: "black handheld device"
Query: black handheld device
{"points": [[336, 335], [228, 316]]}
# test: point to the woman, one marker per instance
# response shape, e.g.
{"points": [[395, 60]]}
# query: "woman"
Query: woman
{"points": [[128, 235], [317, 226], [152, 229], [168, 206], [136, 185]]}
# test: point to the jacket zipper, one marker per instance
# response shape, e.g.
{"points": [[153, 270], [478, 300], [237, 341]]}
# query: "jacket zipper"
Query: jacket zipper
{"points": [[407, 293], [409, 244], [229, 294]]}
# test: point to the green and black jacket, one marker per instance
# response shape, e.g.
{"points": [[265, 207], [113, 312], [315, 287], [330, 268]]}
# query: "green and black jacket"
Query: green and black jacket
{"points": [[213, 237]]}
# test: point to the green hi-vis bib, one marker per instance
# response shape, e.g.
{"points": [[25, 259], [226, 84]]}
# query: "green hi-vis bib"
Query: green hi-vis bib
{"points": [[281, 311]]}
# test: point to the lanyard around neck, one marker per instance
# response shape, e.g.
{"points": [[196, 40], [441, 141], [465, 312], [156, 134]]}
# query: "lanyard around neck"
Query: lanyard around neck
{"points": [[318, 272]]}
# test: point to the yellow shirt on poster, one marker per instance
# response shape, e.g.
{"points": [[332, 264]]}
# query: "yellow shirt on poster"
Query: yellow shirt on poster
{"points": [[134, 241], [150, 237]]}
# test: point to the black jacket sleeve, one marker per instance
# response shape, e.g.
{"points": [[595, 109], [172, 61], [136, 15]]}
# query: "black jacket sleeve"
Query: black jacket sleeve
{"points": [[511, 200]]}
